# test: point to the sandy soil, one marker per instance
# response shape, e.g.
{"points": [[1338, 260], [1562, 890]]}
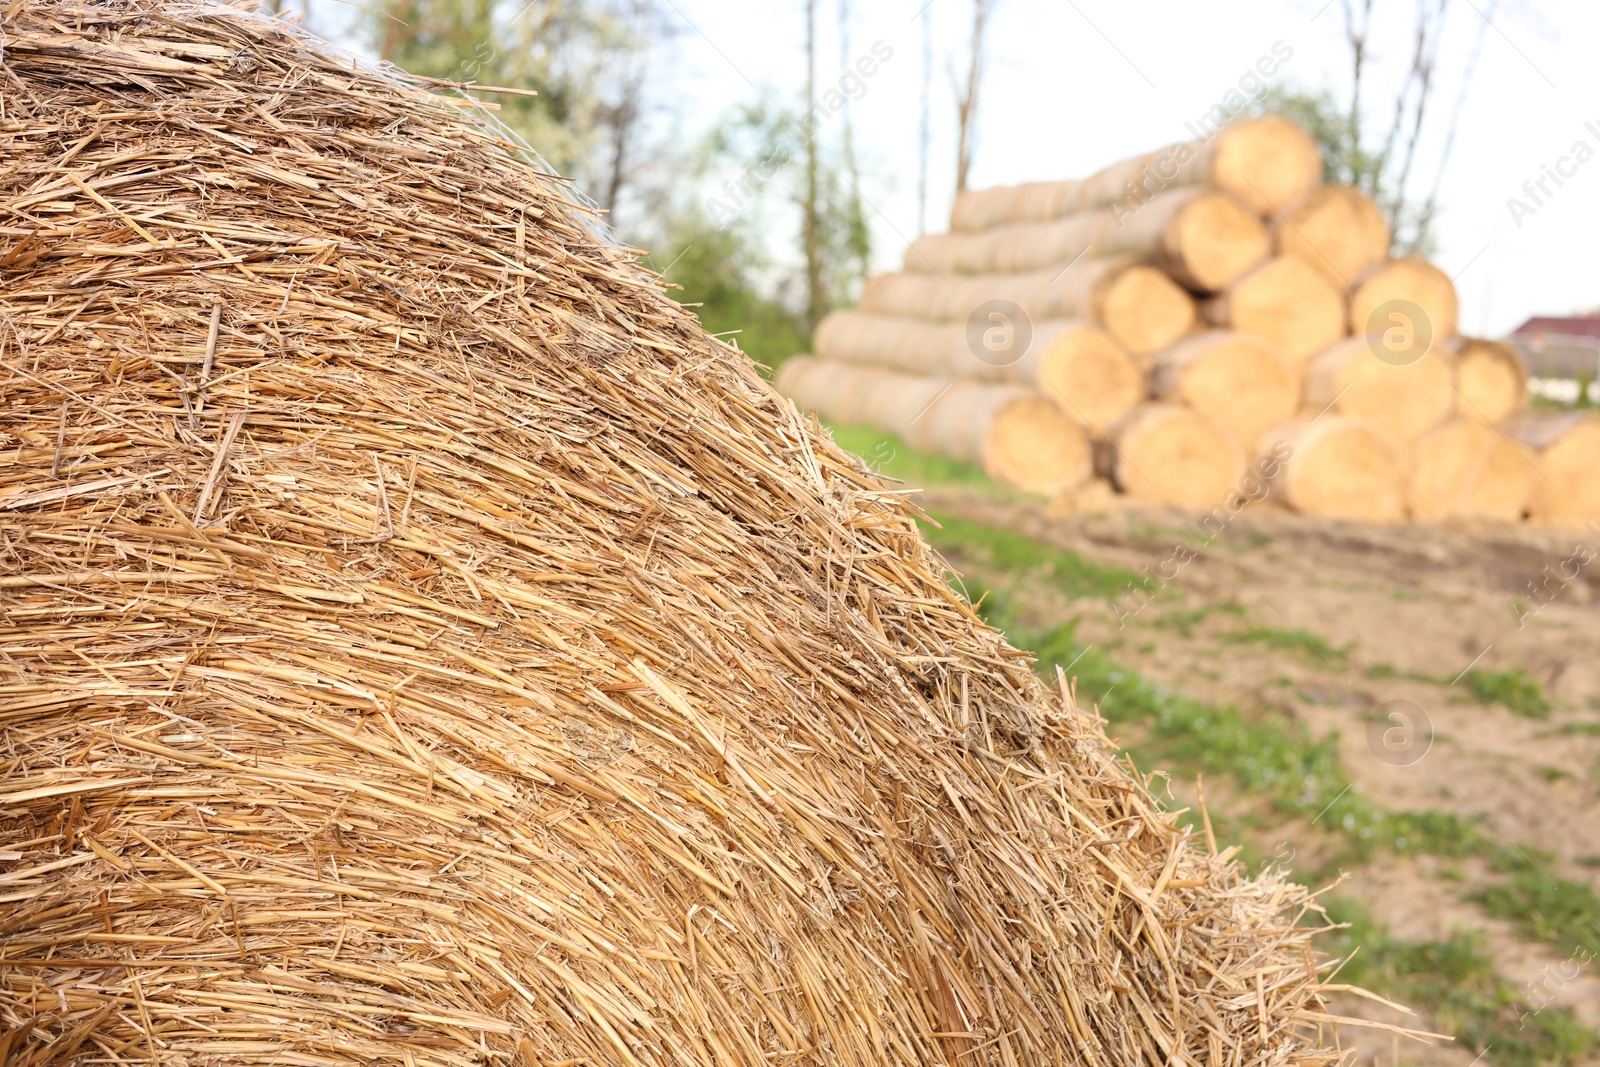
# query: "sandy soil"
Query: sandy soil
{"points": [[1426, 601]]}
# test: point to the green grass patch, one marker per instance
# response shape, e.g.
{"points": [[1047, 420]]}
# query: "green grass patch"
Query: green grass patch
{"points": [[1557, 910], [1271, 757], [1019, 555], [1384, 672], [1457, 983], [1513, 688], [1318, 649], [1185, 621], [889, 456]]}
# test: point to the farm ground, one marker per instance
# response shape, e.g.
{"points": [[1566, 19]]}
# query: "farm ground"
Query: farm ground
{"points": [[1273, 662]]}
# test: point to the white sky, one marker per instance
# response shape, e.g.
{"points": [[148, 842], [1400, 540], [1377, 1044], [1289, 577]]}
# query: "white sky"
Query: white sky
{"points": [[1076, 84]]}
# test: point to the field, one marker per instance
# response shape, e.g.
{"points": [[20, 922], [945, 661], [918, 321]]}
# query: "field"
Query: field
{"points": [[1266, 663]]}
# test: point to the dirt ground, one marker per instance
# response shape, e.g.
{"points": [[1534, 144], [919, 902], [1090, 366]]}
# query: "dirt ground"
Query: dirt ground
{"points": [[1404, 611]]}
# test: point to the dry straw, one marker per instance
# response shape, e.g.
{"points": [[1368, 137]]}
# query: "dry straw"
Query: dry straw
{"points": [[420, 644]]}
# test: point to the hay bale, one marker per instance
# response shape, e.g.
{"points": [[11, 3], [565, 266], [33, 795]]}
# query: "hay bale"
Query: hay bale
{"points": [[1267, 162], [1141, 307], [1563, 448], [1286, 302], [1018, 247], [1469, 469], [1076, 365], [1167, 454], [1409, 284], [1205, 239], [1340, 468], [425, 646], [1202, 237], [1235, 380], [1490, 377], [1335, 228], [1405, 399], [975, 210], [1016, 435]]}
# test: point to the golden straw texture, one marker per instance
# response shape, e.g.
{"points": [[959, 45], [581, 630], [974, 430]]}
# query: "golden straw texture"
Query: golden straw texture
{"points": [[421, 645]]}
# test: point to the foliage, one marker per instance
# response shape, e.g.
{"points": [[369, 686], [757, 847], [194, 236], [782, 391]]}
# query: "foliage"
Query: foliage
{"points": [[717, 272], [1347, 160], [717, 247], [576, 54]]}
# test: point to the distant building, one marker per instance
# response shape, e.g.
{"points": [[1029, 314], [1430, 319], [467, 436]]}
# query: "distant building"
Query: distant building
{"points": [[1560, 347]]}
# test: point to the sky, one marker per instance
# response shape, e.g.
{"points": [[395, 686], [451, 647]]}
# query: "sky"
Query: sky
{"points": [[1076, 84]]}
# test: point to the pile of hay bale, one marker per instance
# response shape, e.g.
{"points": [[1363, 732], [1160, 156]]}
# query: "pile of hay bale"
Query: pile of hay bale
{"points": [[1186, 314], [423, 645]]}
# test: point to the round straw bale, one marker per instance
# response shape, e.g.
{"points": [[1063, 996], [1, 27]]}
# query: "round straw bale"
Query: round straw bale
{"points": [[1341, 468], [1028, 246], [1336, 229], [1235, 380], [1205, 239], [1076, 365], [1405, 286], [1287, 303], [1358, 377], [1268, 162], [983, 209], [426, 647], [1141, 307], [1167, 454], [1469, 469], [1492, 380], [1014, 434], [1566, 490], [1082, 370]]}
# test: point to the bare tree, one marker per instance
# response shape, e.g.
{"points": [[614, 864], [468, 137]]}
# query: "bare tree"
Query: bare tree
{"points": [[856, 233], [924, 134], [639, 26], [1430, 206], [1430, 28], [1385, 170], [967, 96], [816, 284], [1356, 34]]}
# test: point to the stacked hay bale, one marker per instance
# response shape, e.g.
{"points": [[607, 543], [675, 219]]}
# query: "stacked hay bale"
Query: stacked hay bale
{"points": [[425, 646], [1201, 307]]}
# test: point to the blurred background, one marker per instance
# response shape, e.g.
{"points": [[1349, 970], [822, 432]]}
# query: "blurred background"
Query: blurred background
{"points": [[1442, 108]]}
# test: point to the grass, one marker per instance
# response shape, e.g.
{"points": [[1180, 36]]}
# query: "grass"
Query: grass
{"points": [[1185, 621], [1019, 555], [1298, 776], [1559, 911], [1513, 688], [1459, 984], [1319, 649], [890, 457], [1386, 672]]}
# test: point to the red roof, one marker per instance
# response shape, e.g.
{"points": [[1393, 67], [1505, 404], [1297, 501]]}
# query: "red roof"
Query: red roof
{"points": [[1576, 326]]}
